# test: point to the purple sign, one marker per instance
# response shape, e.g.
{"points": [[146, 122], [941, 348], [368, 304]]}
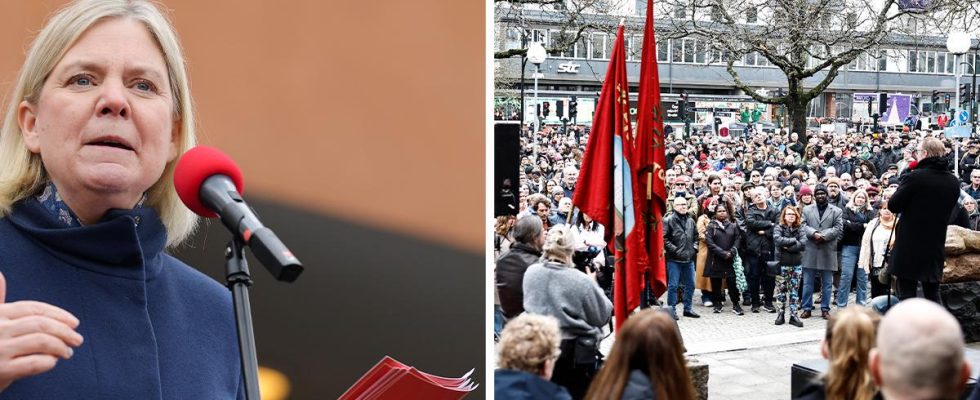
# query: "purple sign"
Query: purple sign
{"points": [[914, 5], [899, 106]]}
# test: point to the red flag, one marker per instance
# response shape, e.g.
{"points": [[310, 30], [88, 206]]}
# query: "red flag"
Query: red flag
{"points": [[607, 186], [649, 158]]}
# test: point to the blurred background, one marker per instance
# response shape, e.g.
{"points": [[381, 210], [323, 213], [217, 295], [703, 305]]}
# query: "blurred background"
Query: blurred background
{"points": [[359, 126]]}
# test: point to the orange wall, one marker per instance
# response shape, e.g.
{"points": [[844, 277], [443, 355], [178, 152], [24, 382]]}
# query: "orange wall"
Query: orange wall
{"points": [[372, 111]]}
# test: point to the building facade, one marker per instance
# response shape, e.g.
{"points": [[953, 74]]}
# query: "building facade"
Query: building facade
{"points": [[917, 68]]}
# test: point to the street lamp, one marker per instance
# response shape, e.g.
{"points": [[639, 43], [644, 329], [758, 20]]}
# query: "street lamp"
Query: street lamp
{"points": [[536, 55], [957, 43]]}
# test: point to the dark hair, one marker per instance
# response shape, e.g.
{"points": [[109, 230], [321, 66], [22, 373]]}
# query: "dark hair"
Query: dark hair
{"points": [[580, 221]]}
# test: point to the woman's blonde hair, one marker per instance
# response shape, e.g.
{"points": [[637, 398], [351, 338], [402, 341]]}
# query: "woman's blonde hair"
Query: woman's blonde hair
{"points": [[528, 341], [559, 243], [850, 336], [853, 206], [22, 173]]}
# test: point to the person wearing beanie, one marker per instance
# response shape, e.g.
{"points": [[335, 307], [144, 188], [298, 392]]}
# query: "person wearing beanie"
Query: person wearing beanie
{"points": [[835, 194], [805, 196], [823, 225]]}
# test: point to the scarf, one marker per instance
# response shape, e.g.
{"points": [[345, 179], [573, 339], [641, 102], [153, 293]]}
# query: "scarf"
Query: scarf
{"points": [[55, 205]]}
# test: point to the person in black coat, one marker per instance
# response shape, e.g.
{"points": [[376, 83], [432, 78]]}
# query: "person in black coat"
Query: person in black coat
{"points": [[760, 219], [722, 238], [509, 274], [924, 200]]}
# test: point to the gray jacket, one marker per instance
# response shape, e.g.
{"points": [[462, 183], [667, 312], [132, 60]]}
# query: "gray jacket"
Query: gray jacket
{"points": [[569, 295], [822, 255]]}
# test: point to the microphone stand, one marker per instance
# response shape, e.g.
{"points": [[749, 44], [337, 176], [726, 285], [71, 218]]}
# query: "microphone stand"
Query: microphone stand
{"points": [[239, 281]]}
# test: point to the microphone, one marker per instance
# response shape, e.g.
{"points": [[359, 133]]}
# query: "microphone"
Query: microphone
{"points": [[210, 184]]}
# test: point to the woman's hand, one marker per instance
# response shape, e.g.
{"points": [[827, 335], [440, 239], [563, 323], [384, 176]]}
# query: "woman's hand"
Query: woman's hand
{"points": [[33, 336]]}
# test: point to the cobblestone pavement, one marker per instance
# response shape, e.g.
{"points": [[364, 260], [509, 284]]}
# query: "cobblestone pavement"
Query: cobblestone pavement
{"points": [[748, 357]]}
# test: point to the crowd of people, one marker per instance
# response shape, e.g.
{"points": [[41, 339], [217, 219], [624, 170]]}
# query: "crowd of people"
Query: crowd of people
{"points": [[769, 219]]}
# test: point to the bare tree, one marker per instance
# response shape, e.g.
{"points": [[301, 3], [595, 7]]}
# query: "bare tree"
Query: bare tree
{"points": [[806, 38], [571, 18], [515, 21]]}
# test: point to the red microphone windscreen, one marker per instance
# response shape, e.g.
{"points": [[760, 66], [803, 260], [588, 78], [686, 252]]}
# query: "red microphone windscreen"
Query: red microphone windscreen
{"points": [[197, 165]]}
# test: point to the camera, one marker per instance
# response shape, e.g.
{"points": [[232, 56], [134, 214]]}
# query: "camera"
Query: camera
{"points": [[582, 259]]}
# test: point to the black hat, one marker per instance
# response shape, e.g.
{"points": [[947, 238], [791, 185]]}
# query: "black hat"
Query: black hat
{"points": [[820, 187]]}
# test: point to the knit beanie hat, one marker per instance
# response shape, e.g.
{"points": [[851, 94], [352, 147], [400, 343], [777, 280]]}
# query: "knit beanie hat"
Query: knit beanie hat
{"points": [[805, 190], [820, 188]]}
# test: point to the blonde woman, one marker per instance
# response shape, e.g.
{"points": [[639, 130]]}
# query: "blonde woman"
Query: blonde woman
{"points": [[848, 340], [874, 244], [554, 287], [857, 214], [700, 281], [528, 349], [95, 121]]}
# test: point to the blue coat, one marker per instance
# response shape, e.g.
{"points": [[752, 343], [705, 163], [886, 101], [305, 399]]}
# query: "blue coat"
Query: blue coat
{"points": [[520, 385], [154, 328]]}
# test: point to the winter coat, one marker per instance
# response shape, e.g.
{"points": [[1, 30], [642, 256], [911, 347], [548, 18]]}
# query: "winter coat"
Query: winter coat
{"points": [[789, 239], [924, 200], [854, 222], [759, 220], [974, 193], [959, 217], [841, 165], [968, 163], [823, 255], [680, 238], [639, 387], [520, 385], [154, 327], [700, 281], [722, 239], [572, 297], [510, 277], [839, 202]]}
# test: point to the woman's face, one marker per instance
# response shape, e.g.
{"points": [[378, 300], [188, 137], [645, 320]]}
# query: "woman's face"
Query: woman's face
{"points": [[970, 206], [885, 212], [790, 216], [103, 123], [860, 199]]}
